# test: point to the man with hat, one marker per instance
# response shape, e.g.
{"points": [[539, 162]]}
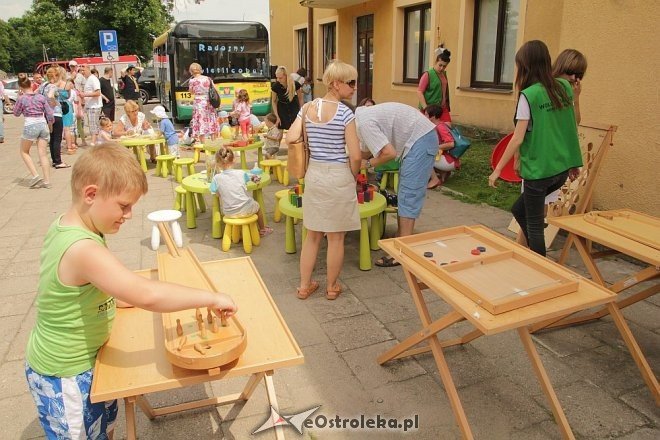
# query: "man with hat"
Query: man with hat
{"points": [[131, 88], [79, 84]]}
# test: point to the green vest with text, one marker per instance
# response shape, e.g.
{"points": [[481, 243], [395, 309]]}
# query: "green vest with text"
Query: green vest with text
{"points": [[552, 146], [73, 322]]}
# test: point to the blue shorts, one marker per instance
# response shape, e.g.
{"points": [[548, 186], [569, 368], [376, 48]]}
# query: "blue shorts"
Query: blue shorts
{"points": [[414, 174], [34, 132], [64, 406]]}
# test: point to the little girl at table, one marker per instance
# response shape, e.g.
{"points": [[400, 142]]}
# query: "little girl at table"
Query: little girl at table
{"points": [[242, 110], [229, 184]]}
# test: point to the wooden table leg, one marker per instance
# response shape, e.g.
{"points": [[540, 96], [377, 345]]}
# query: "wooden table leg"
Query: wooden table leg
{"points": [[635, 351], [289, 236], [191, 221], [272, 399], [641, 276], [581, 246], [131, 432], [438, 355], [365, 255], [566, 249], [542, 376]]}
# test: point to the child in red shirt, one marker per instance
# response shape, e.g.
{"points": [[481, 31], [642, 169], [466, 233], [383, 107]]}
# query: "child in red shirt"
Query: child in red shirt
{"points": [[445, 163]]}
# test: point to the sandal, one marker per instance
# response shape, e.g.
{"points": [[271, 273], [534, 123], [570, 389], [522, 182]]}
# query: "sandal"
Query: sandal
{"points": [[265, 231], [386, 262], [61, 165], [304, 293], [333, 293]]}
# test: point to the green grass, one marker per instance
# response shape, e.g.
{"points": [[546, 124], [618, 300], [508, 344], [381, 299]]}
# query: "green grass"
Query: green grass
{"points": [[471, 181]]}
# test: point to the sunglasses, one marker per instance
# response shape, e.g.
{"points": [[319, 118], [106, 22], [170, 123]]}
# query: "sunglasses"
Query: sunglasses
{"points": [[352, 83], [578, 75]]}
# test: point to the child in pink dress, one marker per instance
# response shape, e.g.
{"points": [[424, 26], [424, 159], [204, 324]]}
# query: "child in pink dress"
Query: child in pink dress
{"points": [[242, 110]]}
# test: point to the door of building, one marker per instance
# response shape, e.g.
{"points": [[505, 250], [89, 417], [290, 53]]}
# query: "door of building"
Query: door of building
{"points": [[365, 61]]}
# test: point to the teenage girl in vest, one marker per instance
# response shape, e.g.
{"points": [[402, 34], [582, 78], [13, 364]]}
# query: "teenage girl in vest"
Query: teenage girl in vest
{"points": [[545, 137], [433, 86]]}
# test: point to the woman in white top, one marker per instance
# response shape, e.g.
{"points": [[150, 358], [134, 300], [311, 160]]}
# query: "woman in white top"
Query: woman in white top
{"points": [[330, 205], [135, 122]]}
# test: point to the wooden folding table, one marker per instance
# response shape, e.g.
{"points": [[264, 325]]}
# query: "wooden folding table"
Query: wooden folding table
{"points": [[420, 277], [133, 362], [609, 228]]}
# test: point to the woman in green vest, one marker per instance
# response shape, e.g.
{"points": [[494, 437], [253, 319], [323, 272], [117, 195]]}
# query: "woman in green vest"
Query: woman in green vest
{"points": [[433, 87], [545, 137]]}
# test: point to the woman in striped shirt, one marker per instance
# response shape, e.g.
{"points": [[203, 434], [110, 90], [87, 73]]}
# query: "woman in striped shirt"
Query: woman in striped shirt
{"points": [[330, 205]]}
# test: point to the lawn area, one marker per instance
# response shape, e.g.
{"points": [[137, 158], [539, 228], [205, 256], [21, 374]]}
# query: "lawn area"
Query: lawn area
{"points": [[471, 181]]}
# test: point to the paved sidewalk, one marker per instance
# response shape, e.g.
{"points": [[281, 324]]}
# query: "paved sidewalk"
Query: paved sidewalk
{"points": [[594, 375]]}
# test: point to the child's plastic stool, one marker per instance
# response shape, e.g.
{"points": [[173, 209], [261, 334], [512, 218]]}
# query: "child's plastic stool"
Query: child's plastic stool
{"points": [[274, 166], [180, 198], [198, 148], [243, 227], [160, 218], [388, 169], [277, 215], [164, 165], [285, 173], [178, 167]]}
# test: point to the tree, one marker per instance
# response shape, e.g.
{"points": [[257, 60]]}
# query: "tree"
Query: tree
{"points": [[7, 36]]}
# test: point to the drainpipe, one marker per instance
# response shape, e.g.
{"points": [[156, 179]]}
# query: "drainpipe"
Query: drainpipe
{"points": [[310, 44]]}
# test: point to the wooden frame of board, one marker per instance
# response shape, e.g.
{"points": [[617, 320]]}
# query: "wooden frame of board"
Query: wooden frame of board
{"points": [[498, 279]]}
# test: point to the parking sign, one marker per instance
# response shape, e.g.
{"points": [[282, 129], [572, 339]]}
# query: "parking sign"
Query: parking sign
{"points": [[109, 45]]}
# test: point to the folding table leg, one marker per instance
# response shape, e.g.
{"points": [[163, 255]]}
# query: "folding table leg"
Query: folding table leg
{"points": [[131, 432], [542, 376], [272, 399]]}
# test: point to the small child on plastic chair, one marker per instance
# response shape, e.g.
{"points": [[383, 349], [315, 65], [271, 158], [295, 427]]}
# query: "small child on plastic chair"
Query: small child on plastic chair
{"points": [[167, 128], [230, 185], [445, 163]]}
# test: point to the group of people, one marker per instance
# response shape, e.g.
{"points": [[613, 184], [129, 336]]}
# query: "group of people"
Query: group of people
{"points": [[82, 282]]}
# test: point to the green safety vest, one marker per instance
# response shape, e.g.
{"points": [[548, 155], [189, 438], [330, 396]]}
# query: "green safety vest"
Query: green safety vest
{"points": [[552, 146], [433, 93]]}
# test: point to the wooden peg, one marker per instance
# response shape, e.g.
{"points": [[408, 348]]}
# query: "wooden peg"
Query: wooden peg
{"points": [[179, 329], [198, 315], [199, 349], [203, 330], [182, 342], [223, 319], [214, 325], [209, 315]]}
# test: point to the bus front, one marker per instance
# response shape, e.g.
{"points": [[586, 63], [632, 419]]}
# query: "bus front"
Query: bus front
{"points": [[233, 54]]}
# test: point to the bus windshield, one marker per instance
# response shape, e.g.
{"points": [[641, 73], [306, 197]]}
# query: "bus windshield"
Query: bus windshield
{"points": [[221, 60]]}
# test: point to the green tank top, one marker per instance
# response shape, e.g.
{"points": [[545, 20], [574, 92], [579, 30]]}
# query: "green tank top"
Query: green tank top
{"points": [[552, 146], [73, 322]]}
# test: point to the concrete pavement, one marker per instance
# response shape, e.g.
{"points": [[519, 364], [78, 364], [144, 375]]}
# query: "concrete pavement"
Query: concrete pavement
{"points": [[594, 375]]}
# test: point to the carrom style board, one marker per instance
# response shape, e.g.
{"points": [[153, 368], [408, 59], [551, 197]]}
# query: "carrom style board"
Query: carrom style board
{"points": [[197, 339], [494, 277], [641, 228]]}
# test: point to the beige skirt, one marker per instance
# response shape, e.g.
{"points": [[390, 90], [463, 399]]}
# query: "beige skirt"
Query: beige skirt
{"points": [[330, 200]]}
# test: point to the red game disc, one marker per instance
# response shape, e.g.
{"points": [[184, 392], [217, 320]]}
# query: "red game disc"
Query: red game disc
{"points": [[508, 173]]}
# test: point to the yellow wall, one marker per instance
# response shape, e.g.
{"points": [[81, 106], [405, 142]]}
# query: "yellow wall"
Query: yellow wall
{"points": [[621, 86]]}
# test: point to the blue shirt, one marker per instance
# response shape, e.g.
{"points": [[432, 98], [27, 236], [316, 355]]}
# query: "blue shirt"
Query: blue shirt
{"points": [[166, 126]]}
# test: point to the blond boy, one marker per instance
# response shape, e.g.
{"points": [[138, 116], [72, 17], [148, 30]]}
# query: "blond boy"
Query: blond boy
{"points": [[80, 284]]}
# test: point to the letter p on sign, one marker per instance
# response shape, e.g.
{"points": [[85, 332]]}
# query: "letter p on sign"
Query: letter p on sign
{"points": [[108, 41]]}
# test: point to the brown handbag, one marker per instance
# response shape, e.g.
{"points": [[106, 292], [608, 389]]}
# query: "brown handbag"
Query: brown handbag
{"points": [[298, 156]]}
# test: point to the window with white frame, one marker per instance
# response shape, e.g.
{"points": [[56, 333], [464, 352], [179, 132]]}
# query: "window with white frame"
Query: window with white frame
{"points": [[301, 44], [494, 50], [417, 41], [329, 32]]}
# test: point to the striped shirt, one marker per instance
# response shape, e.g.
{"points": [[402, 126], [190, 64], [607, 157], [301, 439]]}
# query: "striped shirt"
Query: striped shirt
{"points": [[391, 123], [327, 141]]}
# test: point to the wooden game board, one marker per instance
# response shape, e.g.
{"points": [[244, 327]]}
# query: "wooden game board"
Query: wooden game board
{"points": [[203, 341], [497, 279], [636, 226]]}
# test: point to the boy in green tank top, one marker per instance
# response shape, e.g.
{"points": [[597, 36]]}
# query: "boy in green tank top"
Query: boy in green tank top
{"points": [[80, 284], [546, 136]]}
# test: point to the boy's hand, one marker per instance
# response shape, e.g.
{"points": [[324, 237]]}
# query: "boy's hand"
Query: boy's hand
{"points": [[224, 303]]}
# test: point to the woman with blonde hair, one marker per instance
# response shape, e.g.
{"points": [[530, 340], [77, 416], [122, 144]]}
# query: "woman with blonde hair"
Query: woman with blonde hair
{"points": [[286, 97], [330, 205], [51, 90], [203, 121], [571, 65], [135, 122]]}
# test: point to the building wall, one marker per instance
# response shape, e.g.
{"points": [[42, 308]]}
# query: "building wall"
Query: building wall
{"points": [[621, 86]]}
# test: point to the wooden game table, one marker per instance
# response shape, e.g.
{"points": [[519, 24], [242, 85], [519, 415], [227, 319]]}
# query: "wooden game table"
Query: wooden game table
{"points": [[258, 145], [369, 236], [198, 184], [419, 277], [133, 362], [138, 143], [617, 234]]}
